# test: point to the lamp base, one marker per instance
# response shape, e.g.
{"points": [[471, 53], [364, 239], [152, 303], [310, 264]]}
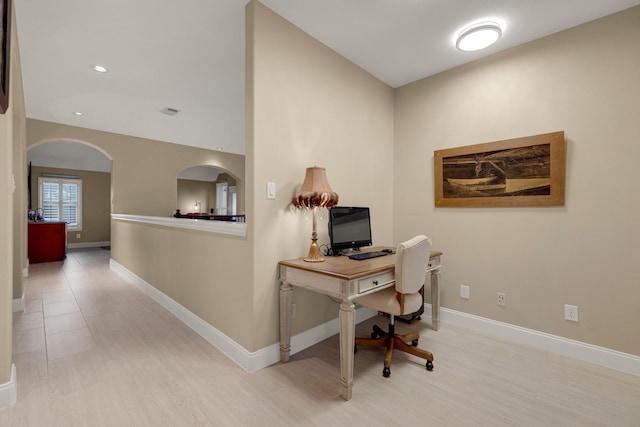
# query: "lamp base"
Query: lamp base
{"points": [[314, 253]]}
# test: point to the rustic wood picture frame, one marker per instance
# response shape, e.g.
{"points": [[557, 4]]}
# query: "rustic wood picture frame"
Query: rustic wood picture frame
{"points": [[527, 171]]}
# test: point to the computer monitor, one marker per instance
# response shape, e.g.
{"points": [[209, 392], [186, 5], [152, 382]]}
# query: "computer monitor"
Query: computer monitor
{"points": [[349, 228]]}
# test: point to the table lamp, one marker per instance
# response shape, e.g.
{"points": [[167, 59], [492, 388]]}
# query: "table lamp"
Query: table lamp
{"points": [[315, 193]]}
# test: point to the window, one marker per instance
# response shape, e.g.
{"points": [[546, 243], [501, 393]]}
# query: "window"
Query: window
{"points": [[221, 197], [61, 200], [233, 195]]}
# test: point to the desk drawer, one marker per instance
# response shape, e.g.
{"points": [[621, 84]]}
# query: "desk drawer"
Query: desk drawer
{"points": [[376, 281]]}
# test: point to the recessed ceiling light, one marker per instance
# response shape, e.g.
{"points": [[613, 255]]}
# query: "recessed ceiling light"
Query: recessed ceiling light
{"points": [[99, 68], [78, 113], [478, 36], [220, 148]]}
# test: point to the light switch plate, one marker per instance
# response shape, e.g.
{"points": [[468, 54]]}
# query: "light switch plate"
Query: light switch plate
{"points": [[271, 190]]}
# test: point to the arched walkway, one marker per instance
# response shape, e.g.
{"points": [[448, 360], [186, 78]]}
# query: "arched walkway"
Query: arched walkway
{"points": [[208, 189], [74, 161]]}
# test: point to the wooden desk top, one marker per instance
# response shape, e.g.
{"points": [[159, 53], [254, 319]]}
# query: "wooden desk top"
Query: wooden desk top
{"points": [[349, 269]]}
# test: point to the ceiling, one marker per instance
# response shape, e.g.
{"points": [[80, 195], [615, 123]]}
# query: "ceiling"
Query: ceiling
{"points": [[189, 55]]}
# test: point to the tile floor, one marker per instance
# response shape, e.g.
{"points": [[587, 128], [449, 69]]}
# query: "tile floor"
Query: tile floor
{"points": [[91, 350]]}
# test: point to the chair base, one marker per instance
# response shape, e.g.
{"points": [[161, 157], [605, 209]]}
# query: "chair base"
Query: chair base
{"points": [[390, 340]]}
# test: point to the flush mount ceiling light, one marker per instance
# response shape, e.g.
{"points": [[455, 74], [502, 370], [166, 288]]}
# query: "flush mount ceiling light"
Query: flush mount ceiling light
{"points": [[78, 113], [99, 68], [478, 36]]}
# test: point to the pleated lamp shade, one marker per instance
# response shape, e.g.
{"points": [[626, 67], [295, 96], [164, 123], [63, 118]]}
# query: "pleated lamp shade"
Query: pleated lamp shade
{"points": [[315, 193]]}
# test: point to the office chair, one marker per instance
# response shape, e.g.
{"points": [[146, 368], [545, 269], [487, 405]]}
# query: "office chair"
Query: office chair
{"points": [[412, 259]]}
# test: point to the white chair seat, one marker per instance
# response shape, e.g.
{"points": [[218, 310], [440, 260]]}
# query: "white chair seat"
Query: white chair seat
{"points": [[386, 301]]}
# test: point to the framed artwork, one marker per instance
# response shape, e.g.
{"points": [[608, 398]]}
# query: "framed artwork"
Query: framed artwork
{"points": [[528, 171], [5, 54]]}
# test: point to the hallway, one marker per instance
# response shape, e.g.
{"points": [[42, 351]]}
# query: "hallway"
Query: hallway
{"points": [[92, 350]]}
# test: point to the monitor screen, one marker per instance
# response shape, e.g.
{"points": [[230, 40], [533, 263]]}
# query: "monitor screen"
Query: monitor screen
{"points": [[349, 228]]}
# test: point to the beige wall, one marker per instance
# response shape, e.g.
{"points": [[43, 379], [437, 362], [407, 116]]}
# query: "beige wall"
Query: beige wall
{"points": [[206, 272], [20, 202], [308, 106], [584, 81], [12, 205], [96, 196], [144, 172]]}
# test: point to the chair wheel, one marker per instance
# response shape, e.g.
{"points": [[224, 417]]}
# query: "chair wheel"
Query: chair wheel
{"points": [[374, 335], [386, 372], [429, 365], [414, 343]]}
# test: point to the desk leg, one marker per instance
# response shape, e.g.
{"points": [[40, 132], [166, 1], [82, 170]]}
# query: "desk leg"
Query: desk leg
{"points": [[435, 299], [347, 341], [286, 295]]}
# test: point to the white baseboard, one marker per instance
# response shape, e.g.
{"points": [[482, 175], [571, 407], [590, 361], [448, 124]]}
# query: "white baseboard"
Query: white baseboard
{"points": [[219, 340], [18, 304], [254, 361], [88, 245], [249, 361], [9, 390], [602, 356]]}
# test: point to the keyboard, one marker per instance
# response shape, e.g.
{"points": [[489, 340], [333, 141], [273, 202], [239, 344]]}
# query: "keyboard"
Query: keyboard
{"points": [[367, 255]]}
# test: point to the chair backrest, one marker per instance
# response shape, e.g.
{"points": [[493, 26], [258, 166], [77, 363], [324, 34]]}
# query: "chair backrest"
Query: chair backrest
{"points": [[412, 262]]}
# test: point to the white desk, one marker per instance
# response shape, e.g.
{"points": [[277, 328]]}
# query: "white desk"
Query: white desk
{"points": [[343, 278]]}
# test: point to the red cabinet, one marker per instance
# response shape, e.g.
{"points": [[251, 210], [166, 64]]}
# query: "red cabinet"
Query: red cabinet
{"points": [[47, 241]]}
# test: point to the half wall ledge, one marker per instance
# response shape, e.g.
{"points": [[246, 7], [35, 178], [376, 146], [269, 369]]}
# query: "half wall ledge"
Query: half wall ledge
{"points": [[221, 227]]}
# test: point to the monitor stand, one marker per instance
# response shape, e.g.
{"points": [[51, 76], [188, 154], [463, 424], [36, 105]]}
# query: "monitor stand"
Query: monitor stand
{"points": [[350, 251], [343, 252]]}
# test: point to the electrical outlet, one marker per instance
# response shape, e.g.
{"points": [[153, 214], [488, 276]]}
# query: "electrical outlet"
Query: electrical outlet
{"points": [[502, 299], [571, 312], [464, 291], [77, 235]]}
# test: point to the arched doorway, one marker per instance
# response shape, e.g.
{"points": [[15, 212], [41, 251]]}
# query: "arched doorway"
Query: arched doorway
{"points": [[56, 166]]}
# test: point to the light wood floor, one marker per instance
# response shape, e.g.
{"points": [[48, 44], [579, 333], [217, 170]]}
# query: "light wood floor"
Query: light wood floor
{"points": [[91, 350]]}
